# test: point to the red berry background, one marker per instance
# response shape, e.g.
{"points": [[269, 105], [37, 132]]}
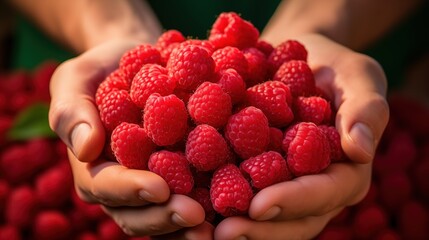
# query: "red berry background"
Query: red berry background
{"points": [[37, 198]]}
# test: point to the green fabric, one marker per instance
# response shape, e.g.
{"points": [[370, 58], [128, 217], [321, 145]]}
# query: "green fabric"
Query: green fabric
{"points": [[194, 18], [31, 47]]}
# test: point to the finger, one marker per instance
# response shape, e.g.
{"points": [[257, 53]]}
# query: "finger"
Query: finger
{"points": [[178, 212], [202, 231], [362, 109], [73, 115], [244, 228], [112, 184], [340, 185]]}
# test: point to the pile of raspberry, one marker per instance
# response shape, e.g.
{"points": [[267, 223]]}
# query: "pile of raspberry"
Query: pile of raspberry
{"points": [[218, 118]]}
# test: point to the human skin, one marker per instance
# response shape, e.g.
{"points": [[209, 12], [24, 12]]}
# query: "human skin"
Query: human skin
{"points": [[140, 201]]}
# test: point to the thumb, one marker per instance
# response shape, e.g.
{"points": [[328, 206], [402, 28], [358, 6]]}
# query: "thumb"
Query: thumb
{"points": [[73, 115]]}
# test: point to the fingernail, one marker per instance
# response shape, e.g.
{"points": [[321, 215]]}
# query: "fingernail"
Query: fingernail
{"points": [[362, 135], [271, 213], [145, 195], [177, 219], [79, 136]]}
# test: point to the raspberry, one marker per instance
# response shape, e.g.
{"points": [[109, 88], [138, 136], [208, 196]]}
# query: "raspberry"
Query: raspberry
{"points": [[51, 224], [388, 234], [41, 78], [21, 207], [132, 60], [230, 192], [202, 196], [165, 119], [207, 45], [298, 76], [131, 145], [287, 51], [54, 185], [210, 105], [116, 108], [230, 29], [307, 149], [151, 78], [275, 101], [230, 57], [92, 212], [189, 66], [248, 132], [265, 47], [10, 232], [266, 169], [312, 109], [337, 154], [395, 190], [276, 140], [413, 221], [109, 230], [335, 232], [369, 221], [5, 189], [232, 83], [174, 168], [257, 66], [169, 37], [206, 149], [113, 82]]}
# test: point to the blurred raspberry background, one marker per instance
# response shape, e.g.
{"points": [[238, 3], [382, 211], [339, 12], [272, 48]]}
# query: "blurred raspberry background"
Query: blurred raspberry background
{"points": [[38, 201]]}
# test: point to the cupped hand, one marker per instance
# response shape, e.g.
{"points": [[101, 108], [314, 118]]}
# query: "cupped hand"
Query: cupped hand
{"points": [[301, 208], [139, 201]]}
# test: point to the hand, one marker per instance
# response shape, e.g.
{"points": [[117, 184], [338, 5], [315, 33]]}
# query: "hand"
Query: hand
{"points": [[139, 201], [301, 208]]}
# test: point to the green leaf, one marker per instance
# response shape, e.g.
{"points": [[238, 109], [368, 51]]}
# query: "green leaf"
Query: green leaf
{"points": [[32, 122]]}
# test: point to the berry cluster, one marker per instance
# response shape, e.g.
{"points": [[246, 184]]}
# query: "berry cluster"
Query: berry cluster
{"points": [[37, 197], [220, 118]]}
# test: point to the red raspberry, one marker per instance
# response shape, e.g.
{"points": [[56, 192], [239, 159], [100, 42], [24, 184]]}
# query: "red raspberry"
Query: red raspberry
{"points": [[207, 45], [387, 234], [395, 190], [334, 138], [276, 140], [274, 99], [165, 119], [92, 212], [166, 52], [21, 207], [131, 145], [287, 51], [230, 192], [206, 149], [169, 37], [5, 124], [10, 232], [265, 47], [210, 105], [189, 66], [41, 78], [312, 109], [369, 221], [336, 232], [113, 82], [51, 224], [307, 149], [248, 132], [53, 186], [174, 168], [257, 70], [118, 107], [413, 220], [298, 76], [266, 169], [419, 176], [151, 78], [230, 29], [230, 57], [132, 60], [202, 196], [109, 230], [232, 83], [5, 190]]}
